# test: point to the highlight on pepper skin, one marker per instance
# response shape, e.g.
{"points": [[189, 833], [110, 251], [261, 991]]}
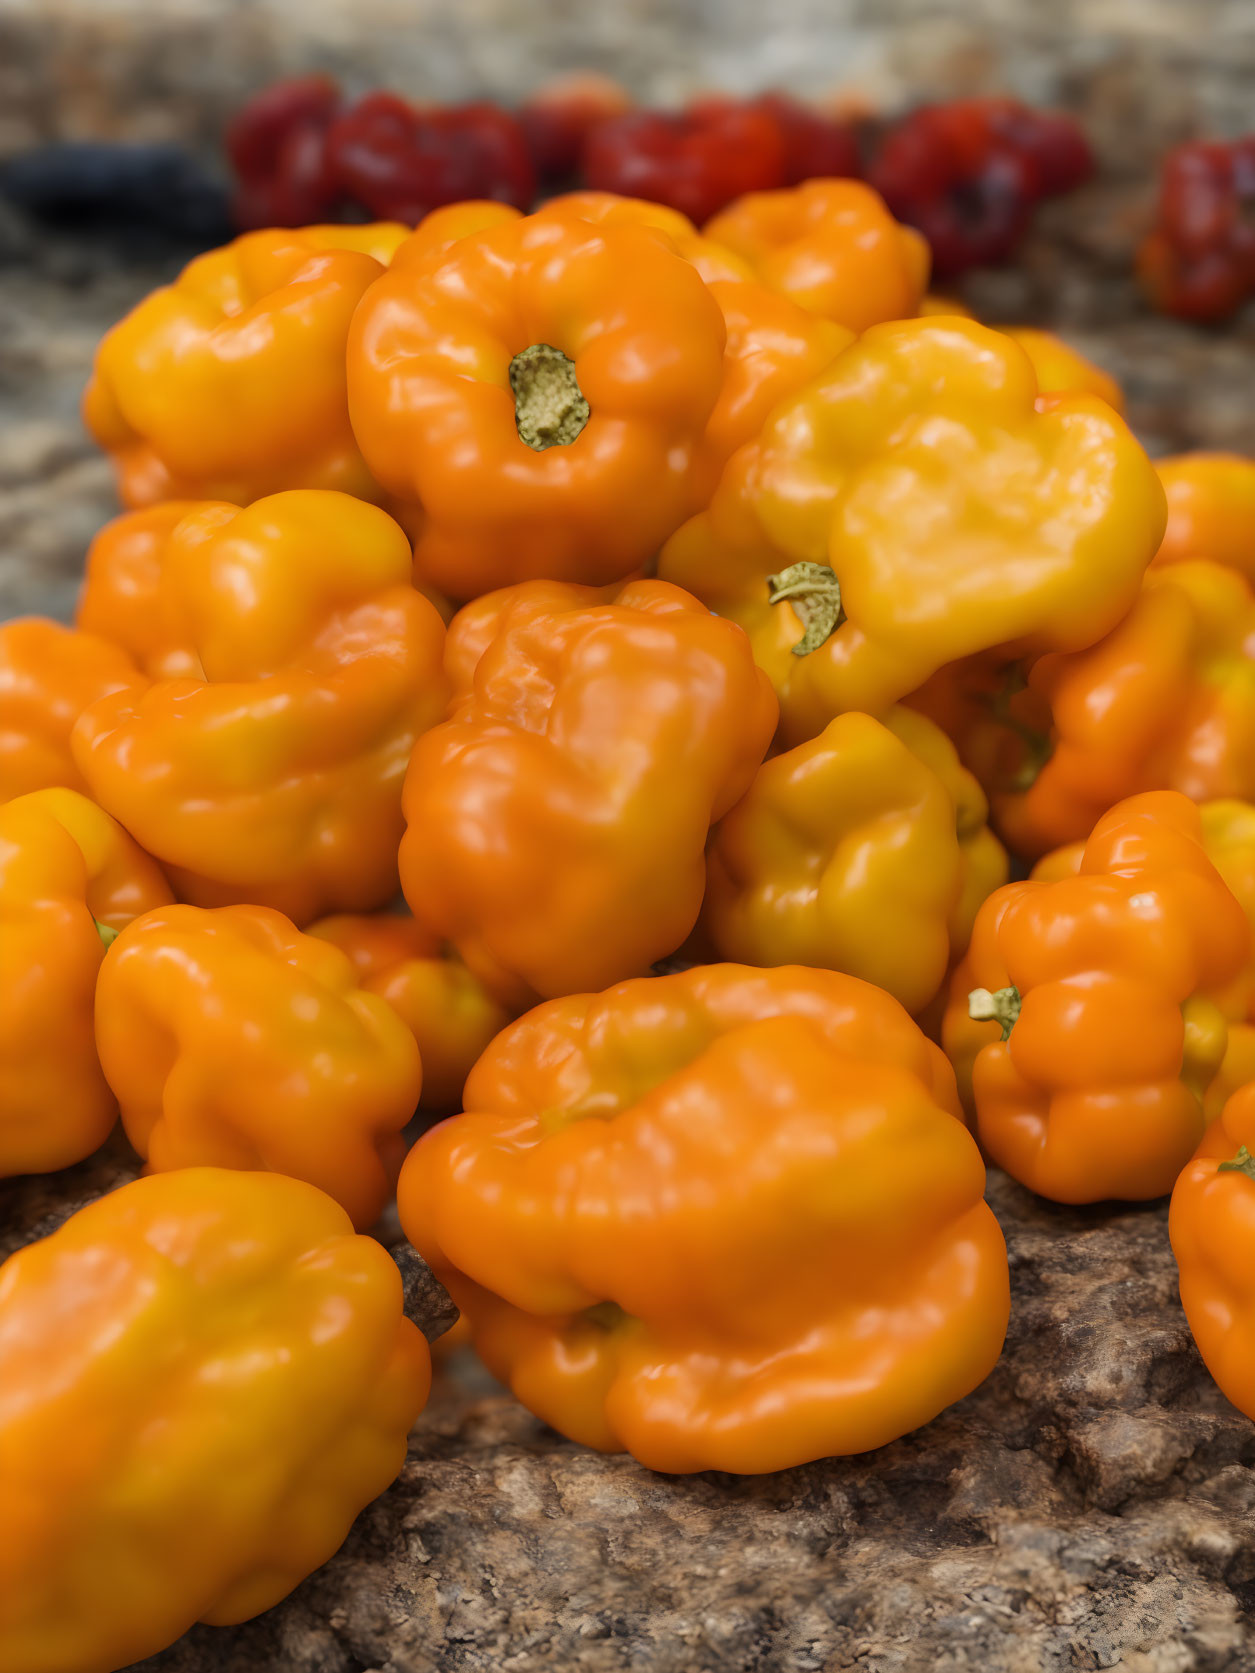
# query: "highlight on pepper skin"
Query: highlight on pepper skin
{"points": [[206, 1377], [678, 1219]]}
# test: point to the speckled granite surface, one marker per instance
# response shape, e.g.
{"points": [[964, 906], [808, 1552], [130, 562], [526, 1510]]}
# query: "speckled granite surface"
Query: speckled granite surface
{"points": [[1093, 1505]]}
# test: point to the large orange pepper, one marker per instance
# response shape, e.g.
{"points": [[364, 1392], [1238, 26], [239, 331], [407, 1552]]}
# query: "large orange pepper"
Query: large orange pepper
{"points": [[449, 1013], [915, 504], [1087, 1008], [832, 247], [534, 412], [843, 854], [724, 1219], [48, 675], [231, 1040], [230, 383], [206, 1377], [557, 820], [1211, 510], [1165, 702], [272, 772], [70, 878]]}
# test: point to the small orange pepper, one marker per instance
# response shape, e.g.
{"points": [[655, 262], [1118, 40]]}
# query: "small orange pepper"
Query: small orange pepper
{"points": [[449, 1013], [270, 772], [70, 879], [1211, 510], [122, 597], [231, 1040], [48, 675], [678, 1220], [832, 247], [1088, 1008], [229, 383]]}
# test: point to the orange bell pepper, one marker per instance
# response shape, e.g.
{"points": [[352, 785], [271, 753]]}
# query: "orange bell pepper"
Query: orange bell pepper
{"points": [[206, 1377], [843, 854], [48, 675], [1104, 988], [229, 384], [272, 772], [70, 878], [1211, 510], [231, 1040], [449, 1013], [915, 504], [123, 599], [557, 820], [532, 414], [832, 247], [1165, 702], [678, 1219], [1212, 1227]]}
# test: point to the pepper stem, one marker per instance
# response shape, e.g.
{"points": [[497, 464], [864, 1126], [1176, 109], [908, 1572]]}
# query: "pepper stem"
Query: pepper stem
{"points": [[549, 405], [1243, 1162], [1001, 1006], [106, 934], [815, 594]]}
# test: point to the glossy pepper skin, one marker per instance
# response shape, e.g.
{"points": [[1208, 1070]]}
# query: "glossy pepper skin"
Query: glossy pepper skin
{"points": [[556, 822], [1165, 702], [1104, 989], [206, 1377], [449, 1013], [232, 1040], [912, 505], [272, 773], [695, 161], [1212, 1227], [676, 1216], [1211, 510], [832, 247], [843, 854], [70, 878], [229, 384], [615, 416], [123, 600], [48, 675]]}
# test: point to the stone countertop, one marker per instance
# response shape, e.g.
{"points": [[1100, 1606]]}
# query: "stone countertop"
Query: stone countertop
{"points": [[1091, 1506]]}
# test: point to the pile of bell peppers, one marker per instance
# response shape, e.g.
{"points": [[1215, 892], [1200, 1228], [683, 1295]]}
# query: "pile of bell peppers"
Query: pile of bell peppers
{"points": [[574, 680]]}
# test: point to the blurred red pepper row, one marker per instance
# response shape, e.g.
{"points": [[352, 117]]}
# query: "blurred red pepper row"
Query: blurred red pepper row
{"points": [[967, 174]]}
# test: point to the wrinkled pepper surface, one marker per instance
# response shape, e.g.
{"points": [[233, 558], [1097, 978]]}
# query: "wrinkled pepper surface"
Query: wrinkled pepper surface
{"points": [[678, 1218], [1087, 1012], [450, 1014], [845, 854], [271, 772], [48, 675], [832, 247], [1211, 510], [229, 384], [556, 822], [70, 879], [533, 414], [914, 504], [1165, 702], [231, 1040], [204, 1377]]}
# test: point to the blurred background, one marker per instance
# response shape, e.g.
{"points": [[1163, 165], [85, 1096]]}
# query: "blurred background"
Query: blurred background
{"points": [[1140, 76]]}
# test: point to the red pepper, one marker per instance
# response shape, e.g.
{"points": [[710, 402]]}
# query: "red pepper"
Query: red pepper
{"points": [[696, 161], [400, 160], [558, 119], [816, 146], [968, 175], [277, 146], [1199, 260]]}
